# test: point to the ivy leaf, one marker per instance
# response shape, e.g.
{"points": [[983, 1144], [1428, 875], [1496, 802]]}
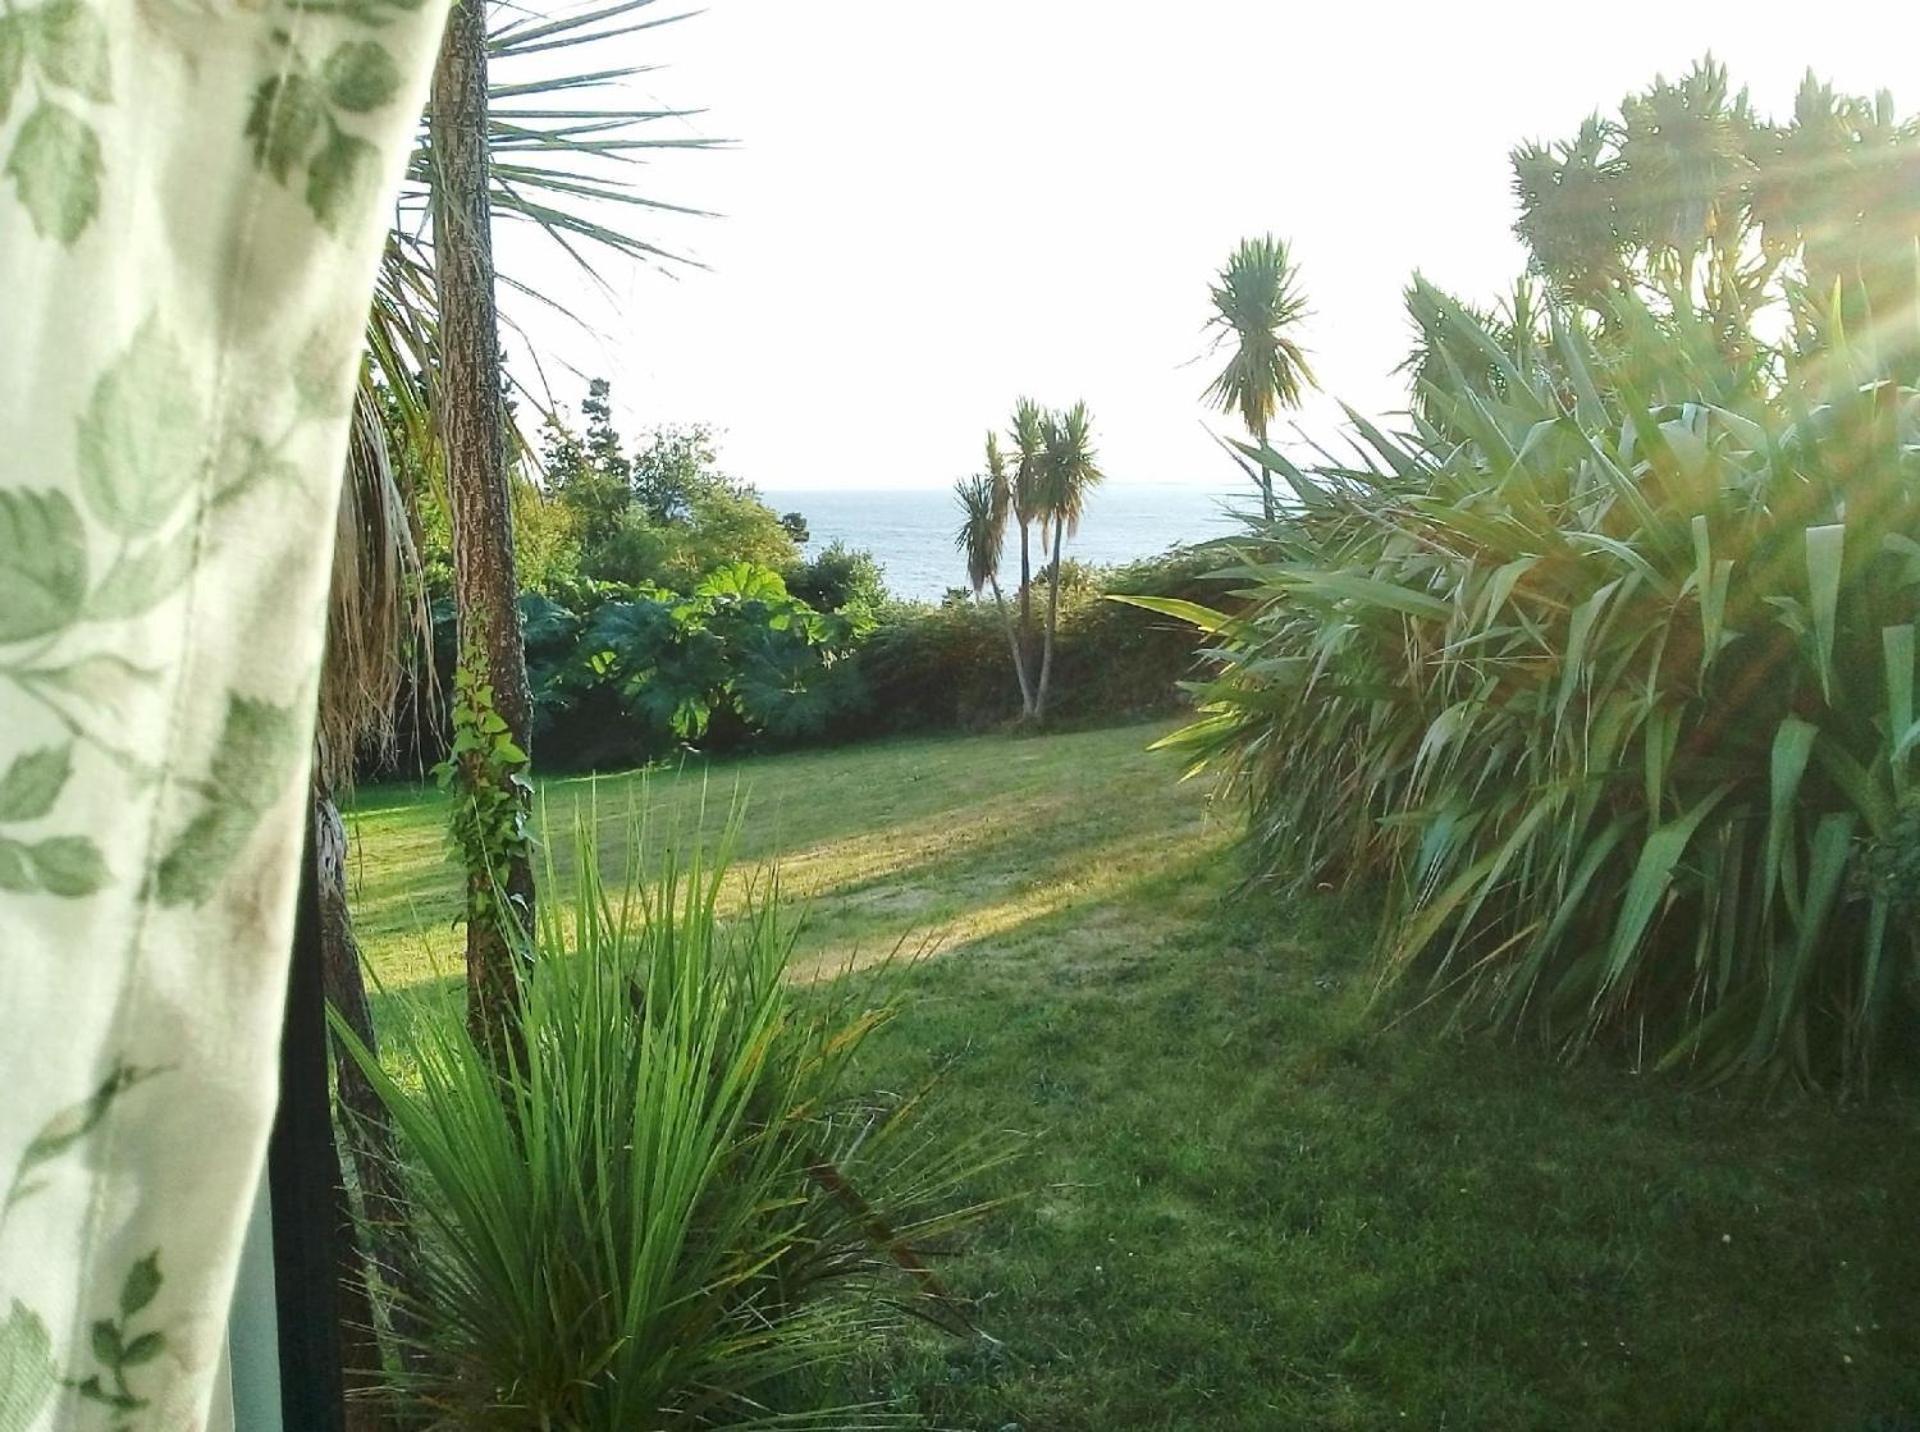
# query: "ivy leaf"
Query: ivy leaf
{"points": [[140, 581], [70, 866], [360, 75], [144, 1348], [201, 853], [73, 1123], [142, 1283], [43, 564], [140, 437], [70, 42], [56, 166], [33, 782], [258, 745], [12, 55], [16, 870], [27, 1371], [245, 464], [284, 121], [341, 180], [106, 1342], [319, 375], [102, 680]]}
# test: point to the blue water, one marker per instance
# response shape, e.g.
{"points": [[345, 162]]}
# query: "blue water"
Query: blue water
{"points": [[911, 531]]}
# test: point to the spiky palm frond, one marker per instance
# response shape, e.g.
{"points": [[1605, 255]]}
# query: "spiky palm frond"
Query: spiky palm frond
{"points": [[566, 143], [1684, 144], [1029, 445], [566, 149], [1001, 481], [1256, 304], [1069, 469], [1571, 199], [982, 528]]}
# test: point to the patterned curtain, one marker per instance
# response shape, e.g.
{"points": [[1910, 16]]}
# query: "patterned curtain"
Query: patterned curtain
{"points": [[192, 200]]}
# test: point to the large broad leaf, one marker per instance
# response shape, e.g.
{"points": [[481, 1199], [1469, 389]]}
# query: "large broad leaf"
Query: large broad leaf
{"points": [[69, 40], [43, 564], [55, 166], [140, 438]]}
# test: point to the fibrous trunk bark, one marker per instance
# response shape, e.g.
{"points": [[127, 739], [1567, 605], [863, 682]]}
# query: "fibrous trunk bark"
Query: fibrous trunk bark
{"points": [[1266, 478], [1026, 601], [1019, 657], [473, 430], [1053, 620]]}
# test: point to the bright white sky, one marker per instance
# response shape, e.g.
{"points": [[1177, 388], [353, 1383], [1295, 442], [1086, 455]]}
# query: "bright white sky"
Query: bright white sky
{"points": [[934, 208]]}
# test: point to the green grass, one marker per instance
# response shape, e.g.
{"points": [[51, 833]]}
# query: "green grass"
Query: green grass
{"points": [[1244, 1203]]}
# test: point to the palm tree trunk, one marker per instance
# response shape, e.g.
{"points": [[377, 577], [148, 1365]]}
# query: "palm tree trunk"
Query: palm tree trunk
{"points": [[479, 499], [1266, 478], [392, 1247], [1026, 599], [1019, 660], [1053, 620]]}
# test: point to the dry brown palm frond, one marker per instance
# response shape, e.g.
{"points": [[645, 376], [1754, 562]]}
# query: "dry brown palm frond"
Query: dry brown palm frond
{"points": [[378, 626]]}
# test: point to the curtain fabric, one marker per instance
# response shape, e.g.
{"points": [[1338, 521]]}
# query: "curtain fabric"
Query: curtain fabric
{"points": [[193, 195]]}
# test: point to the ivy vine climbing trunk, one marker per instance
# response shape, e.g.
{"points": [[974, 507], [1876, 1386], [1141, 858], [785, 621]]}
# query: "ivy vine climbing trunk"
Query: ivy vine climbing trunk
{"points": [[473, 432]]}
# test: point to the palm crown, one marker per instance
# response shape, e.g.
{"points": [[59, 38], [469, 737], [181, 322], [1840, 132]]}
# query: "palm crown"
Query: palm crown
{"points": [[981, 528], [1069, 469], [1256, 302]]}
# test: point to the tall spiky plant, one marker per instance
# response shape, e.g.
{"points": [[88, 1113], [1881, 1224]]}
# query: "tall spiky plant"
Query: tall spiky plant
{"points": [[1029, 447], [1257, 304], [1069, 471], [1609, 680], [683, 1204], [982, 500]]}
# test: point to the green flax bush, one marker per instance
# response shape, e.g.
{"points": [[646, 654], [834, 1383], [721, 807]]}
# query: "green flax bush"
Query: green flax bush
{"points": [[1605, 673]]}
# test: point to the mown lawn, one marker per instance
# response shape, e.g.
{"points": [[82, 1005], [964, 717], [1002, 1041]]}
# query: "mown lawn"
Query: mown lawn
{"points": [[1242, 1201]]}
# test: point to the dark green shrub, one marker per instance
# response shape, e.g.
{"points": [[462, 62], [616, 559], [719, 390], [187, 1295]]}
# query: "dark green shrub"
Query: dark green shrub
{"points": [[645, 671], [838, 578], [948, 667]]}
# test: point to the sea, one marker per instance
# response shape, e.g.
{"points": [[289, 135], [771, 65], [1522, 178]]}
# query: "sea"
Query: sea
{"points": [[910, 530]]}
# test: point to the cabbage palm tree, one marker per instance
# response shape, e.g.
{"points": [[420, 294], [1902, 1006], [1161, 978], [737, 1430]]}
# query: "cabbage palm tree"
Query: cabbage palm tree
{"points": [[983, 529], [551, 149], [1257, 304], [471, 417], [1029, 445], [1005, 505], [548, 147], [1068, 472]]}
